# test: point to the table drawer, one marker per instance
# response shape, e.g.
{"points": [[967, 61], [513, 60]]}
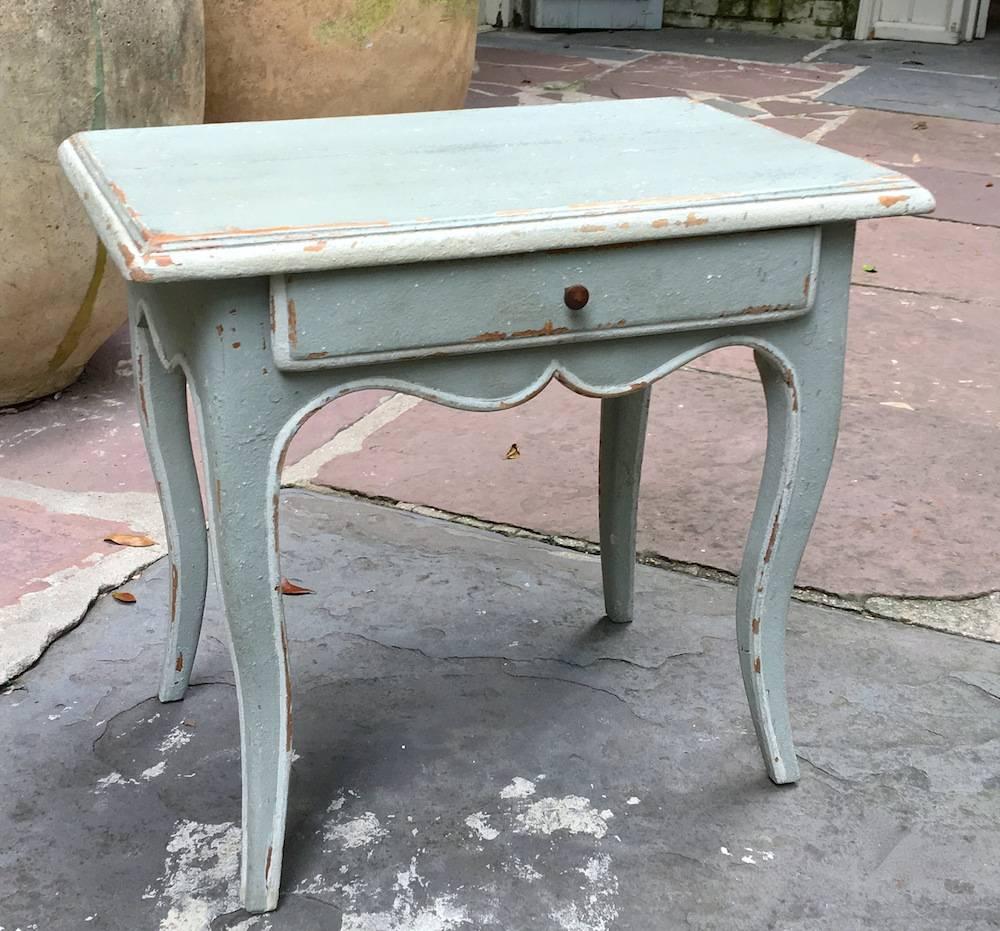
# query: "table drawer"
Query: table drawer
{"points": [[359, 315]]}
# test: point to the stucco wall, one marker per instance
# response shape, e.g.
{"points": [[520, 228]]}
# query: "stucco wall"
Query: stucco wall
{"points": [[813, 19]]}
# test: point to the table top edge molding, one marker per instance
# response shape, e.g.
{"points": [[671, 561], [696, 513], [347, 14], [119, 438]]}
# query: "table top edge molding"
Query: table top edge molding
{"points": [[146, 257]]}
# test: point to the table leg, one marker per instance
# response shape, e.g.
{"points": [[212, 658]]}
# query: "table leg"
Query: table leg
{"points": [[244, 502], [164, 417], [803, 392], [623, 436]]}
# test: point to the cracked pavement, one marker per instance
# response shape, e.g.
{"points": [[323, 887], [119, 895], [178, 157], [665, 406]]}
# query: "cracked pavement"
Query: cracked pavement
{"points": [[477, 748]]}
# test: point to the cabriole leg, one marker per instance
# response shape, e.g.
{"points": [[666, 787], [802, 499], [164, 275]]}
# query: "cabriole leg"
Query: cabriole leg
{"points": [[803, 392], [164, 417], [623, 436], [244, 507]]}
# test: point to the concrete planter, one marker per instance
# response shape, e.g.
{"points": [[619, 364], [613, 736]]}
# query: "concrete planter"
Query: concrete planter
{"points": [[68, 65], [287, 59]]}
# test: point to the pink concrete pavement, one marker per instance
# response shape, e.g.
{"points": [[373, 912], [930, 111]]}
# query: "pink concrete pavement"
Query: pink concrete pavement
{"points": [[911, 508], [912, 504]]}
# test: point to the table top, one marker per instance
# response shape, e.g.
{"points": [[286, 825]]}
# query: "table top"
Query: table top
{"points": [[237, 199]]}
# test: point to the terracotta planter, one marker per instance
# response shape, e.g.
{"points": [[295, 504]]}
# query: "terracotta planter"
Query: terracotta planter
{"points": [[67, 65], [286, 59]]}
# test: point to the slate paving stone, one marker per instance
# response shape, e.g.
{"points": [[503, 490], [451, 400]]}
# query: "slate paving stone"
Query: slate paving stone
{"points": [[477, 748], [979, 57], [910, 90]]}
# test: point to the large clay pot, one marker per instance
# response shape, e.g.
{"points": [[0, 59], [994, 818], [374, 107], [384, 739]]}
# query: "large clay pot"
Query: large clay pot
{"points": [[68, 65], [286, 59]]}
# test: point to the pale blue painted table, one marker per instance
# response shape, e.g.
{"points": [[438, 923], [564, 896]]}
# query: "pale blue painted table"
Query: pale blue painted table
{"points": [[469, 258]]}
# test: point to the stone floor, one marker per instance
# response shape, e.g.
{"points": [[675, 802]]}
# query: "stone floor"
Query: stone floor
{"points": [[476, 749]]}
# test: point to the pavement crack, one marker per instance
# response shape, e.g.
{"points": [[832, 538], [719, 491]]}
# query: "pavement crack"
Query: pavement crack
{"points": [[528, 659], [316, 898], [583, 685], [109, 721], [986, 690], [153, 698], [821, 769]]}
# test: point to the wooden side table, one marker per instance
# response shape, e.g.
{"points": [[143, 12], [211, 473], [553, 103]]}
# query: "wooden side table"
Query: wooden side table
{"points": [[468, 258]]}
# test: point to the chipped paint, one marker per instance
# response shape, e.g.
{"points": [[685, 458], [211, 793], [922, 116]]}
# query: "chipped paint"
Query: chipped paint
{"points": [[889, 200], [293, 323]]}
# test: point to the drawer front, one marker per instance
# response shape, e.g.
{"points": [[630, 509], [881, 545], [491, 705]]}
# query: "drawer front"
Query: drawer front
{"points": [[359, 315]]}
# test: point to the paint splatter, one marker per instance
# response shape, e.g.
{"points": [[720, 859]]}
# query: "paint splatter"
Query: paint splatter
{"points": [[479, 823], [572, 813], [200, 877], [599, 911], [153, 771], [519, 788], [358, 832], [179, 737]]}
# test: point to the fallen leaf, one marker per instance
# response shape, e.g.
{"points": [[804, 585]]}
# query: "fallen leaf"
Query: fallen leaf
{"points": [[290, 588], [871, 269], [129, 539], [989, 184], [513, 452], [188, 723], [126, 598], [920, 124]]}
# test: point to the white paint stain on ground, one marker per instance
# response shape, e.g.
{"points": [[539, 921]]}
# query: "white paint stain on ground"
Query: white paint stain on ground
{"points": [[153, 771], [358, 832], [572, 813], [440, 913], [751, 857], [517, 867], [599, 910], [518, 788], [479, 824], [200, 877], [114, 779], [179, 737]]}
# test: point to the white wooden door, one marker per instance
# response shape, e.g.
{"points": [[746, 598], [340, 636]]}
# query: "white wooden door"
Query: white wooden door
{"points": [[922, 20]]}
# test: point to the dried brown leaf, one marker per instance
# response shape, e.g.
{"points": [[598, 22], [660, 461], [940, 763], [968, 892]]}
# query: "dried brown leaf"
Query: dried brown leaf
{"points": [[126, 598], [290, 588], [129, 539], [513, 452]]}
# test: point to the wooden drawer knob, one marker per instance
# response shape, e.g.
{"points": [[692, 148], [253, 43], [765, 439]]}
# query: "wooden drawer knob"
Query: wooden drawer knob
{"points": [[576, 297]]}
